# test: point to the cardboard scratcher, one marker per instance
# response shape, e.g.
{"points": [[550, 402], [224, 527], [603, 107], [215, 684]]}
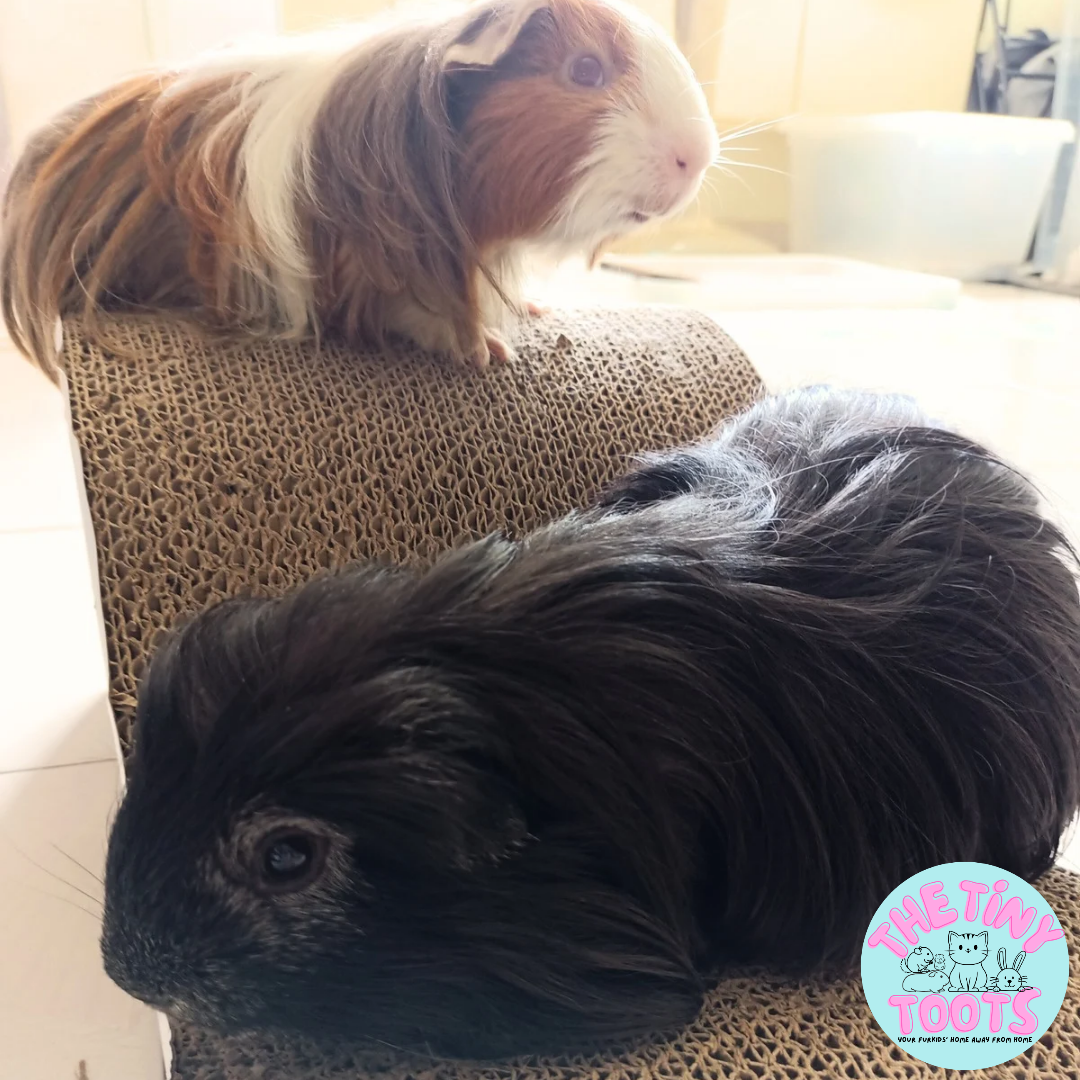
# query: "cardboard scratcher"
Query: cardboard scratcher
{"points": [[213, 470]]}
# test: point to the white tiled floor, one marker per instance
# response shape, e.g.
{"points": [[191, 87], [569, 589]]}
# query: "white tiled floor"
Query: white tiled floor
{"points": [[1004, 365], [55, 670], [57, 1008], [60, 772], [39, 488]]}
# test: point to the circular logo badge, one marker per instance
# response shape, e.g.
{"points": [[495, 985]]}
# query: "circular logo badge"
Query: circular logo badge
{"points": [[965, 966]]}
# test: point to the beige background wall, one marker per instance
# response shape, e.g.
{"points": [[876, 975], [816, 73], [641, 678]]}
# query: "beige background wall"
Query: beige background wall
{"points": [[54, 52], [299, 15], [309, 14]]}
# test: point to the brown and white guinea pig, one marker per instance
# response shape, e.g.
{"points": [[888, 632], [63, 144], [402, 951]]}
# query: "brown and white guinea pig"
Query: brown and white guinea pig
{"points": [[538, 794], [386, 178]]}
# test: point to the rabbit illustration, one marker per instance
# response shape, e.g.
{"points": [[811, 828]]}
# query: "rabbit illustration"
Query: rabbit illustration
{"points": [[1009, 978]]}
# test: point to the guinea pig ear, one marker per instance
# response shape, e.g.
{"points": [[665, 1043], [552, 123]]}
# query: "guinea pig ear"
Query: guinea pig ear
{"points": [[489, 36], [487, 823], [497, 832], [452, 783]]}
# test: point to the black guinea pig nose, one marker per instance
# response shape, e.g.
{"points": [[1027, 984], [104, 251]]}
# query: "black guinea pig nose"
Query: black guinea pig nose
{"points": [[159, 999], [151, 991], [135, 968]]}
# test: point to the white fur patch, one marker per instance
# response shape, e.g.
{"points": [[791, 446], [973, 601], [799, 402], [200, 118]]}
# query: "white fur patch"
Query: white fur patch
{"points": [[284, 84], [631, 166]]}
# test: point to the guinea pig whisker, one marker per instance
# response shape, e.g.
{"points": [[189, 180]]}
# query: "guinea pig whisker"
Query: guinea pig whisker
{"points": [[752, 165], [67, 900], [426, 1052], [741, 131], [85, 869], [57, 877], [735, 176], [71, 885], [699, 198], [717, 33]]}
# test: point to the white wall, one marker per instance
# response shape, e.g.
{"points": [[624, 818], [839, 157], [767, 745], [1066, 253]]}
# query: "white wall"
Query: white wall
{"points": [[867, 56], [179, 29], [774, 57], [55, 52]]}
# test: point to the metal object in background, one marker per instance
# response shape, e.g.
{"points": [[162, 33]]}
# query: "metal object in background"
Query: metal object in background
{"points": [[1056, 257], [1015, 75], [1033, 75]]}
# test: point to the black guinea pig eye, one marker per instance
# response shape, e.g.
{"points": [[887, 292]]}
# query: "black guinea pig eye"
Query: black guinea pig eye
{"points": [[290, 860], [587, 71]]}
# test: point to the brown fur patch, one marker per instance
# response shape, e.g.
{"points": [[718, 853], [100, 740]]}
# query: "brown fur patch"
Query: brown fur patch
{"points": [[79, 227], [384, 217], [203, 181], [118, 205], [532, 124]]}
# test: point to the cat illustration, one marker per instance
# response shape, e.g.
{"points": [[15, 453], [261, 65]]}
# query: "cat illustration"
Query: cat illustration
{"points": [[968, 952], [923, 976]]}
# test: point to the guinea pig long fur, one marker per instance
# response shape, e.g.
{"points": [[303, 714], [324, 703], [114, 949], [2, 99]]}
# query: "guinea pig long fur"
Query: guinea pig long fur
{"points": [[539, 793], [387, 179]]}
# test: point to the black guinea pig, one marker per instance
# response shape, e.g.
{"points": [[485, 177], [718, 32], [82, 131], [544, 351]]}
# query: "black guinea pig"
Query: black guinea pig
{"points": [[537, 795]]}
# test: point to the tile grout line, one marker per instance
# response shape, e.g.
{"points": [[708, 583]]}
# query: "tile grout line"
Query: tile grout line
{"points": [[23, 530], [60, 765]]}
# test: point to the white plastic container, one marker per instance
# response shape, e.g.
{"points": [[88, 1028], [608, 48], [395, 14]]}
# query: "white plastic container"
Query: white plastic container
{"points": [[956, 194]]}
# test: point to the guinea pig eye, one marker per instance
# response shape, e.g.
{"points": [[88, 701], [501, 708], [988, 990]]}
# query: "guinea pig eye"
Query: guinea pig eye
{"points": [[289, 861], [587, 71]]}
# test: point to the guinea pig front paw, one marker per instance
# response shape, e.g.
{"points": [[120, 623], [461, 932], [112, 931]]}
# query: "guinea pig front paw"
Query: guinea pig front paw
{"points": [[536, 310], [493, 350]]}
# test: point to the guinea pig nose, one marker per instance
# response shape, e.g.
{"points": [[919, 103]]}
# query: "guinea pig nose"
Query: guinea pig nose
{"points": [[692, 155]]}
